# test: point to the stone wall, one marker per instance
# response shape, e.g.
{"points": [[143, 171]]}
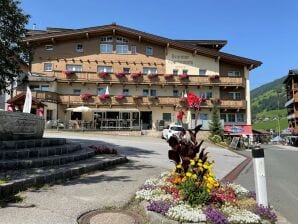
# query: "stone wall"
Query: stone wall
{"points": [[19, 126]]}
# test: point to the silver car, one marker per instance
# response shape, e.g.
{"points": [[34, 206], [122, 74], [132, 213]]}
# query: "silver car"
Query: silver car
{"points": [[171, 130]]}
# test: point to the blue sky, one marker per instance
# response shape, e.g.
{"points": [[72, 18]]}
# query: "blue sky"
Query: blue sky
{"points": [[265, 30]]}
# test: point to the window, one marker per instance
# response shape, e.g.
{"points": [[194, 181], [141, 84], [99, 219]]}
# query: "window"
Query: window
{"points": [[240, 117], [175, 71], [121, 40], [231, 118], [206, 95], [104, 69], [149, 70], [48, 67], [145, 92], [126, 70], [101, 91], [79, 48], [153, 92], [234, 73], [77, 92], [125, 92], [44, 87], [149, 50], [223, 117], [203, 116], [175, 93], [106, 39], [234, 95], [106, 48], [122, 49], [49, 115], [167, 116], [49, 47], [133, 49], [184, 71], [34, 87], [202, 72], [74, 68]]}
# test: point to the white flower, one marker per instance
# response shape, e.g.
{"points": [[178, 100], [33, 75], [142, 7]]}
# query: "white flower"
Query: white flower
{"points": [[153, 195], [184, 212], [236, 215], [239, 190]]}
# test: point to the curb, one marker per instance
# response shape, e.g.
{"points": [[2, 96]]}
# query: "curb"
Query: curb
{"points": [[15, 187]]}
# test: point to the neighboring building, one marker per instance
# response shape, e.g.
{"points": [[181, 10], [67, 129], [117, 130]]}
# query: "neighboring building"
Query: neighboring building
{"points": [[291, 85], [147, 77]]}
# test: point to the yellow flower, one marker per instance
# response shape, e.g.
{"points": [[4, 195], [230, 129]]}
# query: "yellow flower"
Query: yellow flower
{"points": [[216, 184], [194, 176], [183, 179], [205, 166], [188, 174], [209, 186], [179, 166], [211, 180], [192, 162], [200, 161]]}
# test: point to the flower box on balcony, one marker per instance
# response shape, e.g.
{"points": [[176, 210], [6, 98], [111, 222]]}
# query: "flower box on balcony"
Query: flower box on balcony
{"points": [[183, 76], [152, 76], [214, 77], [183, 100], [138, 97], [103, 75], [153, 98], [215, 101], [120, 75], [104, 97], [69, 73], [120, 97], [169, 76], [135, 76], [86, 96]]}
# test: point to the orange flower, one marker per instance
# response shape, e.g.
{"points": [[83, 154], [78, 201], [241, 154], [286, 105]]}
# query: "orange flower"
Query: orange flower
{"points": [[177, 180]]}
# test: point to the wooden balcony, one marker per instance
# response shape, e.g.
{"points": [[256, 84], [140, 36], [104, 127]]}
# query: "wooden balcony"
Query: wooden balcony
{"points": [[44, 96], [93, 77]]}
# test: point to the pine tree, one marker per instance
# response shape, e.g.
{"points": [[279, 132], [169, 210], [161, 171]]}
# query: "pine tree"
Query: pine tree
{"points": [[12, 30], [215, 125]]}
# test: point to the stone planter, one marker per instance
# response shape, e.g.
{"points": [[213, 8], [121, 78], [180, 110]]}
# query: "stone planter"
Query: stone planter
{"points": [[20, 126]]}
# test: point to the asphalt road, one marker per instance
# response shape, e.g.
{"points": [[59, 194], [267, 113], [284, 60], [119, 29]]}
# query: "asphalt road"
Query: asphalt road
{"points": [[281, 167]]}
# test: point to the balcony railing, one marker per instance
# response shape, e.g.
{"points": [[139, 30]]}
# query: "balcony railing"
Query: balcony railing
{"points": [[160, 79]]}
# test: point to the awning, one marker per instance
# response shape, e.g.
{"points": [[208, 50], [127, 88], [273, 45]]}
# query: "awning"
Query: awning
{"points": [[238, 129]]}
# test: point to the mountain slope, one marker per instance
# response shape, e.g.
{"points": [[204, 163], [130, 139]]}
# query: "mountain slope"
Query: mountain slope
{"points": [[267, 104]]}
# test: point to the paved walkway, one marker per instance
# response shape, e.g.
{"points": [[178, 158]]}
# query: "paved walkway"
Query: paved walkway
{"points": [[62, 204]]}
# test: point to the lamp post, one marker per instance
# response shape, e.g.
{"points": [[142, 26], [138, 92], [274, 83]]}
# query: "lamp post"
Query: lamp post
{"points": [[278, 121]]}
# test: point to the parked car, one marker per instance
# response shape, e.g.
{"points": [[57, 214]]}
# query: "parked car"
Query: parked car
{"points": [[54, 124], [171, 130]]}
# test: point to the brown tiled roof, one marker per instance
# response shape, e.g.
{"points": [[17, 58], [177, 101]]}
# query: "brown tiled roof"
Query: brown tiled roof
{"points": [[109, 29]]}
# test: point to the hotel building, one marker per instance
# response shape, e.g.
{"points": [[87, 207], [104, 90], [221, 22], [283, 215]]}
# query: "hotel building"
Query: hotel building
{"points": [[132, 79]]}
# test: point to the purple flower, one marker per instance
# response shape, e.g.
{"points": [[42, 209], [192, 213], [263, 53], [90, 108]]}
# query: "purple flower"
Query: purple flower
{"points": [[148, 187], [252, 194], [161, 207], [215, 216], [266, 213]]}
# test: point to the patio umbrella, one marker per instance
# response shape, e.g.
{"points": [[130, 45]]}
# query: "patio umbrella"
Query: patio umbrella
{"points": [[80, 109], [107, 91]]}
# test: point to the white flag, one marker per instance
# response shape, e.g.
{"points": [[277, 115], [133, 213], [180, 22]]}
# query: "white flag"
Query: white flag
{"points": [[28, 101]]}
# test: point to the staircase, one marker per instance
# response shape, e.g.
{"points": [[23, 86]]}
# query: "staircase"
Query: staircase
{"points": [[26, 163]]}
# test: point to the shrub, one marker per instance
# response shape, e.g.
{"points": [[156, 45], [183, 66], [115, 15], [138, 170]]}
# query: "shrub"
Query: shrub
{"points": [[215, 138], [192, 193]]}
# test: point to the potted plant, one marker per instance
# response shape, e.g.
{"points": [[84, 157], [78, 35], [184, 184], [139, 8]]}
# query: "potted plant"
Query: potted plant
{"points": [[103, 75], [183, 100], [214, 77], [135, 76], [86, 96], [69, 73], [137, 97], [169, 76], [152, 76], [120, 97], [183, 76], [120, 75], [104, 97]]}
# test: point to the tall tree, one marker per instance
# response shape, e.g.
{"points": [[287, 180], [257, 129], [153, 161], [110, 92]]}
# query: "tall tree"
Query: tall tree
{"points": [[215, 125], [12, 52]]}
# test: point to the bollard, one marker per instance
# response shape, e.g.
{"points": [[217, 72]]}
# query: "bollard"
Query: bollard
{"points": [[260, 177]]}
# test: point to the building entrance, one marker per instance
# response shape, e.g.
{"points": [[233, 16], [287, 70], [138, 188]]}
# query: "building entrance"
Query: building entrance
{"points": [[146, 118]]}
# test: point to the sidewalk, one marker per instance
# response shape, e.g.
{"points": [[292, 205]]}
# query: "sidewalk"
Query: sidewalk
{"points": [[62, 204]]}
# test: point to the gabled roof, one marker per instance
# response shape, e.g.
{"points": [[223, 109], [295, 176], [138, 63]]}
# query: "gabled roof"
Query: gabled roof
{"points": [[292, 74], [184, 45], [20, 100]]}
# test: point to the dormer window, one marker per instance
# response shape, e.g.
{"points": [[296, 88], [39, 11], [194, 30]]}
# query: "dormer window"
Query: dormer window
{"points": [[121, 40], [106, 39], [49, 47], [79, 48]]}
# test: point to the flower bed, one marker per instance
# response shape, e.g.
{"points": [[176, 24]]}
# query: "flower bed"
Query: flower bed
{"points": [[86, 96], [191, 193]]}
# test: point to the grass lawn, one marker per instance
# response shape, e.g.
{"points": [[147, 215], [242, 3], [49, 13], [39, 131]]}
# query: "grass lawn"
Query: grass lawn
{"points": [[266, 125]]}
